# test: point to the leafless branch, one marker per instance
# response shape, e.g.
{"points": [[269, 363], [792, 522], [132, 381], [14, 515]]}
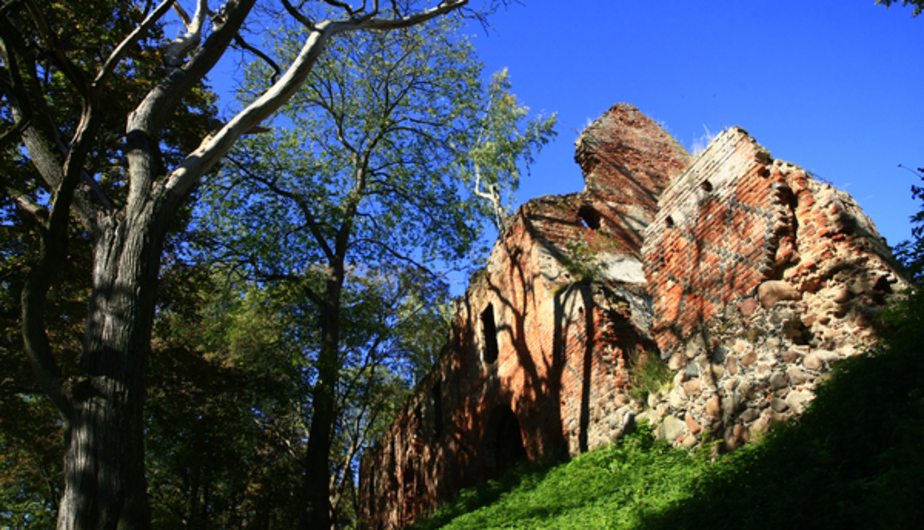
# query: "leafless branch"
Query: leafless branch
{"points": [[185, 43], [343, 5], [277, 71], [297, 15], [406, 21]]}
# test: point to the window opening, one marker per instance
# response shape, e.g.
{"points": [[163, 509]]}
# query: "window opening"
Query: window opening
{"points": [[590, 218], [489, 328]]}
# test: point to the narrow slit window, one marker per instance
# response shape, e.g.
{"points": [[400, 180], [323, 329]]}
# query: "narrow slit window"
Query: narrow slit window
{"points": [[489, 329]]}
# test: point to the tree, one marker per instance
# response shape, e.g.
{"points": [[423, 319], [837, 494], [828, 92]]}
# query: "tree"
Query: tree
{"points": [[918, 4], [369, 185], [61, 106], [910, 253], [219, 406]]}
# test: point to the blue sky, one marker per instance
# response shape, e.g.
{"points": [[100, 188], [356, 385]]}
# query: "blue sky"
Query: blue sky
{"points": [[835, 87]]}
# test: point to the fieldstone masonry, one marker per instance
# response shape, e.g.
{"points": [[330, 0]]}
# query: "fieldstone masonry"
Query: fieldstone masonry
{"points": [[744, 274], [761, 277]]}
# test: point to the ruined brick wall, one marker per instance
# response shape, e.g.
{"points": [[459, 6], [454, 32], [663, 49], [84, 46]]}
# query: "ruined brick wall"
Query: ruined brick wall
{"points": [[761, 278], [541, 341], [710, 242], [746, 275]]}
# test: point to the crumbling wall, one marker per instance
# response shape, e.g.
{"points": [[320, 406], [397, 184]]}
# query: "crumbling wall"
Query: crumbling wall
{"points": [[761, 277], [744, 274], [543, 338]]}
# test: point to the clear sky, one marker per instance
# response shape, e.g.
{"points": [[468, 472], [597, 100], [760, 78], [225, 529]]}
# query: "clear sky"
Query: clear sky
{"points": [[836, 87]]}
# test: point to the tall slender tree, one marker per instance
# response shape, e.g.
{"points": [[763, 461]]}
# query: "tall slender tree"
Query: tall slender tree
{"points": [[46, 68], [371, 179]]}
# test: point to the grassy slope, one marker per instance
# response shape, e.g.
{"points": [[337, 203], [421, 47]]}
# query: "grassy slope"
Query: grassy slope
{"points": [[855, 460], [613, 487]]}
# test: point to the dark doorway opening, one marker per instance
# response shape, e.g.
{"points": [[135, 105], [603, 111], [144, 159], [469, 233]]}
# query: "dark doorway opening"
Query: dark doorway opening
{"points": [[504, 446]]}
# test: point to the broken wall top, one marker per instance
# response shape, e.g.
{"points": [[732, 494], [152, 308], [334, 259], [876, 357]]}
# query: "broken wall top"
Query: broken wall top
{"points": [[628, 158], [737, 218], [627, 161]]}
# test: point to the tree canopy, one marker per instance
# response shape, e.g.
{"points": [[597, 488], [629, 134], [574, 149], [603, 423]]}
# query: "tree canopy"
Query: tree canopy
{"points": [[104, 135], [363, 185]]}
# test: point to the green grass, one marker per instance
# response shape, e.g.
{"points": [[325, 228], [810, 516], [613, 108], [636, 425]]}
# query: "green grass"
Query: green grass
{"points": [[613, 487], [854, 460]]}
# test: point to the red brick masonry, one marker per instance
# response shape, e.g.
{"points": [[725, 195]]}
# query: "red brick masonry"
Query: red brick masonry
{"points": [[545, 336]]}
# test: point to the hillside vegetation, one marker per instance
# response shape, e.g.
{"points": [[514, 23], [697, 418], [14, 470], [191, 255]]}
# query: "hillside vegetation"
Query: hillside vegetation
{"points": [[855, 459]]}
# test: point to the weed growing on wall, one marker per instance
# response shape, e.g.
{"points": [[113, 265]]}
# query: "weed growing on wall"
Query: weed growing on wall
{"points": [[648, 375], [581, 261]]}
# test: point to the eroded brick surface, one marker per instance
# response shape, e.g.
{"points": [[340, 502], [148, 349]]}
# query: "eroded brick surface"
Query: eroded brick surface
{"points": [[565, 288], [744, 274], [761, 277]]}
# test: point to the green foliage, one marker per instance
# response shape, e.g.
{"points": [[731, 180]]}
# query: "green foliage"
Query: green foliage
{"points": [[220, 407], [918, 4], [612, 487], [581, 261], [31, 453], [911, 253], [647, 375], [492, 159]]}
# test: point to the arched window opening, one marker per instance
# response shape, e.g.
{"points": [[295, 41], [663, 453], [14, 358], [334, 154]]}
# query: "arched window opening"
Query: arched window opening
{"points": [[489, 331]]}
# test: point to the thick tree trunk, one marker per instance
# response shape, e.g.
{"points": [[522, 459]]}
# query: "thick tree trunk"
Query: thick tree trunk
{"points": [[105, 486], [104, 461]]}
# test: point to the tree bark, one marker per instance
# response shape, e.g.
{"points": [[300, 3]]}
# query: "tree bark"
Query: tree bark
{"points": [[317, 514], [105, 486]]}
